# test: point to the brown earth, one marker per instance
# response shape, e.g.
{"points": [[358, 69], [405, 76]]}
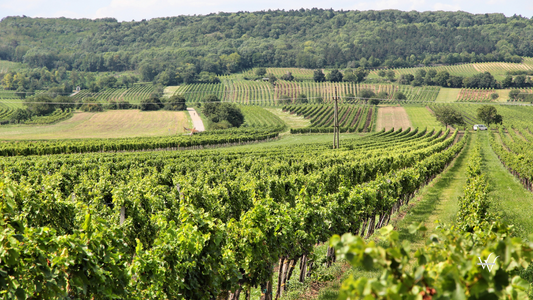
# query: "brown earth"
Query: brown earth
{"points": [[392, 117]]}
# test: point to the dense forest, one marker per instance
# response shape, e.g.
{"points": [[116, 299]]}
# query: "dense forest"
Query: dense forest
{"points": [[222, 43]]}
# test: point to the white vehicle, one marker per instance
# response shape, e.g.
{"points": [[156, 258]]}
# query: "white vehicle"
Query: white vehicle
{"points": [[480, 127]]}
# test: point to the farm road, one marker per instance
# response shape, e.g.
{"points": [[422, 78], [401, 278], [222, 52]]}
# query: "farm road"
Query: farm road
{"points": [[196, 120]]}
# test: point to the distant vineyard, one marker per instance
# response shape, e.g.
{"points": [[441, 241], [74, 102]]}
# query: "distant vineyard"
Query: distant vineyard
{"points": [[352, 118], [7, 108], [198, 91], [132, 95], [475, 95], [298, 73], [264, 93], [473, 68], [56, 116]]}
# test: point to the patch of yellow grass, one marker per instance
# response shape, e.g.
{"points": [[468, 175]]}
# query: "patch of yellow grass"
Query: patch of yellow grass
{"points": [[109, 124]]}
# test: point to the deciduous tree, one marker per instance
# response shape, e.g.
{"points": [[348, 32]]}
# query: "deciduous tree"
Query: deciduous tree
{"points": [[489, 114]]}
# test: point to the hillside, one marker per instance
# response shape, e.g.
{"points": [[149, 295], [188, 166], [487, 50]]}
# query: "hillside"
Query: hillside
{"points": [[229, 42]]}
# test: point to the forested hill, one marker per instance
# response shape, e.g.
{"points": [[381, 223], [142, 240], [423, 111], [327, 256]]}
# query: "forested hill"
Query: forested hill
{"points": [[229, 42]]}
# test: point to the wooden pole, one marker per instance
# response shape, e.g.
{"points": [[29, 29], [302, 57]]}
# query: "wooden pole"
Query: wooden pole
{"points": [[336, 129]]}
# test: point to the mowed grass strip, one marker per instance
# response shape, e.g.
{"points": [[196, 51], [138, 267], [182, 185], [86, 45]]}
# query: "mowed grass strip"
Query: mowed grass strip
{"points": [[447, 95], [109, 124], [421, 117], [293, 121], [508, 197]]}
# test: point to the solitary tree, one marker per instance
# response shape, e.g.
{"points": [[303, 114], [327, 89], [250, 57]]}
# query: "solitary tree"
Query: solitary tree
{"points": [[335, 76], [366, 94], [514, 94], [318, 76], [287, 76], [406, 79], [176, 102], [272, 78], [399, 96], [489, 114], [391, 75], [382, 73], [448, 116], [260, 71]]}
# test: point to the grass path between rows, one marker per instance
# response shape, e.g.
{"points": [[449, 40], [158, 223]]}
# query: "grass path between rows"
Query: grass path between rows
{"points": [[438, 200], [508, 197]]}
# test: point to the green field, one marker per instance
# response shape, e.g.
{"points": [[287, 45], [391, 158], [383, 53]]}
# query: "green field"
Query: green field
{"points": [[8, 66], [292, 120], [447, 95], [421, 117]]}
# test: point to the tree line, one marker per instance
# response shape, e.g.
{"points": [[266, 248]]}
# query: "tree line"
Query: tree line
{"points": [[230, 42]]}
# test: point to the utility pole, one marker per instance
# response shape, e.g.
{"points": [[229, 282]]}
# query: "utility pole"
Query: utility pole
{"points": [[336, 129]]}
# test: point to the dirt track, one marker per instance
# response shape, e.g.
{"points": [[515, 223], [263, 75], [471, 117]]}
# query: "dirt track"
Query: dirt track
{"points": [[392, 116], [196, 120]]}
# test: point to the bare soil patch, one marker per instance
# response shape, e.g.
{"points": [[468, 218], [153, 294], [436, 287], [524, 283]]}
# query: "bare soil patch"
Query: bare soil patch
{"points": [[392, 117]]}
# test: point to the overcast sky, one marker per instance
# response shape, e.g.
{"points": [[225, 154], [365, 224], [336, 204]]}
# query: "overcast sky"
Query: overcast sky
{"points": [[127, 10]]}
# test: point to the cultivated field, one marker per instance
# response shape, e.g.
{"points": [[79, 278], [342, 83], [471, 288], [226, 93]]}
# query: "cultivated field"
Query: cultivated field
{"points": [[392, 117], [110, 124]]}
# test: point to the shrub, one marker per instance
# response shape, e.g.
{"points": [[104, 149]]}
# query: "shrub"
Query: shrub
{"points": [[176, 102], [152, 103]]}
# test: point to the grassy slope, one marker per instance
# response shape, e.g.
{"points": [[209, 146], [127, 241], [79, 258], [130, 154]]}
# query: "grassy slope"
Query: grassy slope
{"points": [[292, 121], [447, 95], [508, 197], [7, 66], [169, 91], [421, 117], [109, 124]]}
